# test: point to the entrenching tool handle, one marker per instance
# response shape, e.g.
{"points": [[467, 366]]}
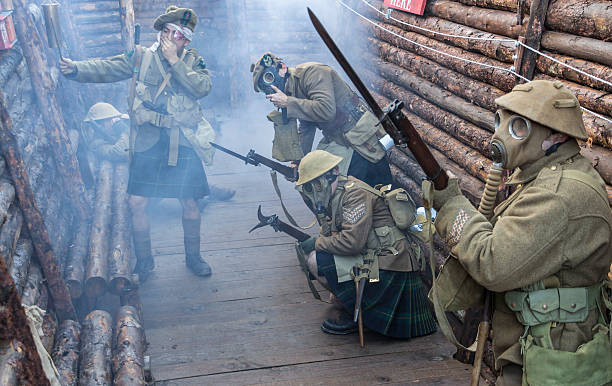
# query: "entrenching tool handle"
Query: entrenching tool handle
{"points": [[359, 287], [483, 334]]}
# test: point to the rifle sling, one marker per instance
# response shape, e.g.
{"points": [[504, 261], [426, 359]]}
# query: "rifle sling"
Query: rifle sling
{"points": [[274, 177]]}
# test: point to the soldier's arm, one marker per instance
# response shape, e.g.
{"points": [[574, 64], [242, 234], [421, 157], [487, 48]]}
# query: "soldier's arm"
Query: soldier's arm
{"points": [[119, 151], [109, 70], [356, 223], [195, 79], [321, 104], [525, 245], [307, 131]]}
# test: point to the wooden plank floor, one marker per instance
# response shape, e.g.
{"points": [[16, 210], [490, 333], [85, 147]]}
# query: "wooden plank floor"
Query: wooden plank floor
{"points": [[254, 321]]}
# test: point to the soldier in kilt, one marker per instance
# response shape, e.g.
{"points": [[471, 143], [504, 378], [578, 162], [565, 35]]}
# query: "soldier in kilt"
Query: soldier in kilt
{"points": [[170, 137], [361, 232]]}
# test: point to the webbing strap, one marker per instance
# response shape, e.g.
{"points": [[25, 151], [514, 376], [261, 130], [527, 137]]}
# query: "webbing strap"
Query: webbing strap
{"points": [[447, 330], [274, 177], [174, 143]]}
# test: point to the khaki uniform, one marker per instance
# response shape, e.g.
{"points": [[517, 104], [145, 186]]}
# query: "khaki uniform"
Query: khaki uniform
{"points": [[361, 222], [554, 227], [117, 151], [319, 98], [189, 82]]}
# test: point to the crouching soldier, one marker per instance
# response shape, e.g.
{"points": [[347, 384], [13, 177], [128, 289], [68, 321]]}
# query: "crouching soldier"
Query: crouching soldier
{"points": [[105, 132], [360, 238], [314, 94], [171, 136], [548, 247]]}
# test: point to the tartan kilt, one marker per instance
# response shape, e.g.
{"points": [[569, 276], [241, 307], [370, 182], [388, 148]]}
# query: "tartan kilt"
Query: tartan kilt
{"points": [[151, 176], [396, 306]]}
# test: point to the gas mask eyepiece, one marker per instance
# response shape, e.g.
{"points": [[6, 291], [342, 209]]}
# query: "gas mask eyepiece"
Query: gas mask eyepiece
{"points": [[270, 76]]}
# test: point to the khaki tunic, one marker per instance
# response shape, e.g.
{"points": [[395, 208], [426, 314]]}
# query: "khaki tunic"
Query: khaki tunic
{"points": [[359, 212], [192, 81], [552, 225], [318, 97]]}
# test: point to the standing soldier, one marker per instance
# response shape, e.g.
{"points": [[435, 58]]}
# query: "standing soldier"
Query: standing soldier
{"points": [[363, 234], [547, 249], [316, 95], [171, 137]]}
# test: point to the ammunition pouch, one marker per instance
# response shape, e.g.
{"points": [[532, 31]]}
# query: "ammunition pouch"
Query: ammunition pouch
{"points": [[456, 289], [402, 208], [286, 143], [363, 138]]}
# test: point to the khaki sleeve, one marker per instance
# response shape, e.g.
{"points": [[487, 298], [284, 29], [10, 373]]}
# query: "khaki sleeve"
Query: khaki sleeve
{"points": [[109, 70], [195, 79], [119, 151], [320, 105], [512, 253], [307, 131], [356, 223]]}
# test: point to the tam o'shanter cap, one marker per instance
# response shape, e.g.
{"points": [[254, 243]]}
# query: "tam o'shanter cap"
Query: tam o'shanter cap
{"points": [[185, 17]]}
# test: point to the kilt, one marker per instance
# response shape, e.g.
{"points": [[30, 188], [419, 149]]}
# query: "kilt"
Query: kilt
{"points": [[151, 176], [396, 306], [371, 173]]}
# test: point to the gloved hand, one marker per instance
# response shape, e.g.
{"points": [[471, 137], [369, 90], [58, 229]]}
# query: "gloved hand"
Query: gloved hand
{"points": [[442, 196], [308, 245]]}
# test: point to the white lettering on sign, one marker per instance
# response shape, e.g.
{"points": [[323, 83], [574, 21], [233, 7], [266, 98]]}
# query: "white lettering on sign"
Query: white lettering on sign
{"points": [[412, 6]]}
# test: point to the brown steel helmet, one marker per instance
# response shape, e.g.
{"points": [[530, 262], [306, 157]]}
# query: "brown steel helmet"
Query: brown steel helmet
{"points": [[101, 110], [549, 103], [315, 164]]}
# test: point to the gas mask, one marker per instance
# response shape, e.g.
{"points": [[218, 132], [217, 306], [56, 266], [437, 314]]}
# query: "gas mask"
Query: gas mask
{"points": [[318, 193], [517, 140], [270, 76]]}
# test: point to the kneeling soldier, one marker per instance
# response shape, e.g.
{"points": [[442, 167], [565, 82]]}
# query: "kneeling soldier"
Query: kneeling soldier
{"points": [[360, 239]]}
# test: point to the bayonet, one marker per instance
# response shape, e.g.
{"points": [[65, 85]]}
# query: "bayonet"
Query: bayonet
{"points": [[255, 159]]}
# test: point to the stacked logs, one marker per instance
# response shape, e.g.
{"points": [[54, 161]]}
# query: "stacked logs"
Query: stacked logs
{"points": [[129, 346]]}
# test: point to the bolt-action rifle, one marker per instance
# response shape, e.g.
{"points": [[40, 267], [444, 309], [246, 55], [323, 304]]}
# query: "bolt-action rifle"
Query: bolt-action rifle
{"points": [[255, 159]]}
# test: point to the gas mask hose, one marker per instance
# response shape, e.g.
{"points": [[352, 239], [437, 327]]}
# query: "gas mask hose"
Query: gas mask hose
{"points": [[487, 201]]}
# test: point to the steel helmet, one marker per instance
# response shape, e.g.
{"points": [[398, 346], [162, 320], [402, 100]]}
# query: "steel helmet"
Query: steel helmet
{"points": [[549, 103], [101, 110], [315, 164]]}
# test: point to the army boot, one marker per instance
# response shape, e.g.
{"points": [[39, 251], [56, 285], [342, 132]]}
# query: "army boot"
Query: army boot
{"points": [[191, 232], [339, 321], [144, 258]]}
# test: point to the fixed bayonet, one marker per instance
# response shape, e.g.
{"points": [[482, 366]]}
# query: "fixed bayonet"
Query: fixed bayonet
{"points": [[255, 159], [279, 226], [392, 119]]}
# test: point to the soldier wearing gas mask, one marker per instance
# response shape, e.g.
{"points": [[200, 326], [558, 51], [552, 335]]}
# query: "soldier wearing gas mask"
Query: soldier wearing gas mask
{"points": [[359, 231], [314, 94], [105, 132], [547, 249]]}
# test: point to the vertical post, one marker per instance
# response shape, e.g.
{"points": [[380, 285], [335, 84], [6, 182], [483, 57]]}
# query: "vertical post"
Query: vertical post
{"points": [[43, 86], [236, 34], [533, 37], [126, 10], [14, 326], [33, 218]]}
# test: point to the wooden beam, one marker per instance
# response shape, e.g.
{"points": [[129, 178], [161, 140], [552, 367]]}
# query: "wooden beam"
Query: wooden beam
{"points": [[33, 217], [43, 86], [533, 37], [126, 11], [14, 327]]}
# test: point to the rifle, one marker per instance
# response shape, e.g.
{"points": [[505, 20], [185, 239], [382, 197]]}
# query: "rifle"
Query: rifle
{"points": [[280, 226], [255, 159], [132, 94]]}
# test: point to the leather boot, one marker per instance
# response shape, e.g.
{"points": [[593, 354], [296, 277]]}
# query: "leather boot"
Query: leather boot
{"points": [[144, 258], [191, 232], [341, 325], [218, 193]]}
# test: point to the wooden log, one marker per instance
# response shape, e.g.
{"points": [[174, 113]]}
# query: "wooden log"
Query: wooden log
{"points": [[490, 20], [432, 96], [95, 355], [66, 352], [577, 46], [49, 326], [34, 221], [14, 327], [8, 64], [21, 263], [498, 50], [532, 38], [33, 286], [7, 196], [590, 18], [97, 268], [75, 262], [473, 162], [503, 80], [10, 232], [129, 348], [480, 93], [43, 86], [11, 355], [126, 12], [551, 68], [411, 186], [400, 158], [504, 5], [120, 255], [601, 159], [132, 298]]}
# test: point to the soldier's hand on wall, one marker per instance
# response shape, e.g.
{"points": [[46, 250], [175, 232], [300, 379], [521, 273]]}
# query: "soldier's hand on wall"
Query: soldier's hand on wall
{"points": [[169, 50], [67, 66], [279, 99]]}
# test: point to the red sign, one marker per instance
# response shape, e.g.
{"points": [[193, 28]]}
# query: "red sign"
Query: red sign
{"points": [[7, 31], [412, 6]]}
